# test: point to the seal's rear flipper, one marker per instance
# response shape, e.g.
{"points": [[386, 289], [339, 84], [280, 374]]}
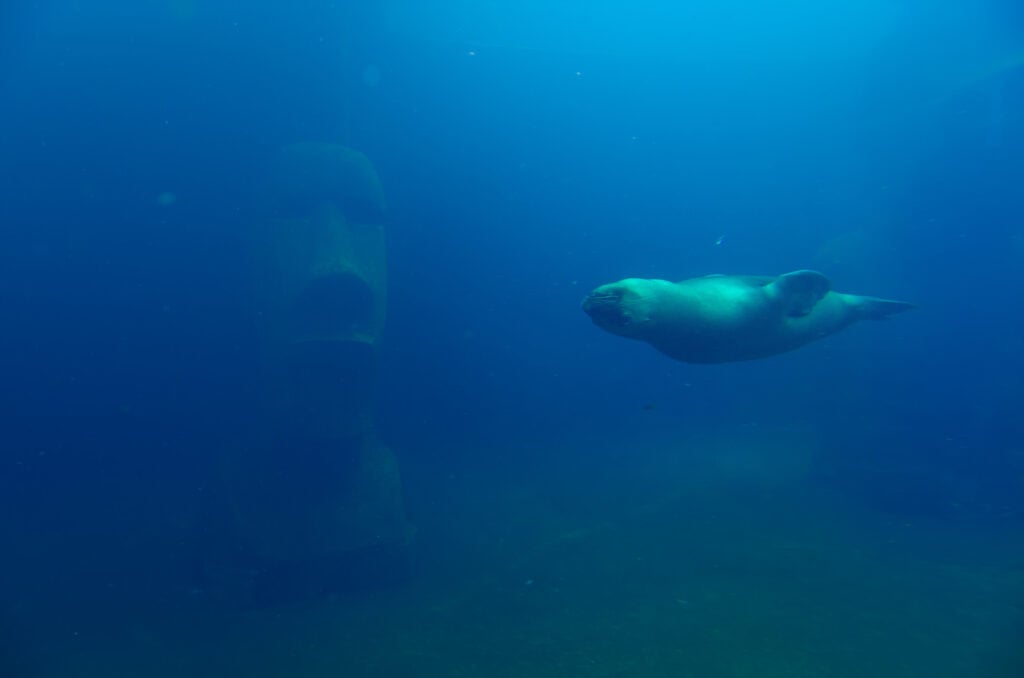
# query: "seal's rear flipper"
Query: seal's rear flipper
{"points": [[874, 308]]}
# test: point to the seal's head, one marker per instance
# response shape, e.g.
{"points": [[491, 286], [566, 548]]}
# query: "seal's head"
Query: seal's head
{"points": [[618, 307]]}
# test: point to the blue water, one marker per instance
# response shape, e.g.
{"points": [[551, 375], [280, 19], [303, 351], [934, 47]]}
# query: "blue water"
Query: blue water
{"points": [[578, 504]]}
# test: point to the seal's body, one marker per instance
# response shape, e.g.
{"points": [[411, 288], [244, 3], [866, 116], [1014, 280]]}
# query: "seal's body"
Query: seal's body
{"points": [[722, 318]]}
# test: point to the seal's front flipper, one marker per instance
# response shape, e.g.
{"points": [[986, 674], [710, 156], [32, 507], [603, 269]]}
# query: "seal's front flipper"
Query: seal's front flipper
{"points": [[799, 291], [874, 308]]}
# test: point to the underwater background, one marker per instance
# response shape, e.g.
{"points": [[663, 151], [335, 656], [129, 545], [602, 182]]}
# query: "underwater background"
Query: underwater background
{"points": [[572, 503]]}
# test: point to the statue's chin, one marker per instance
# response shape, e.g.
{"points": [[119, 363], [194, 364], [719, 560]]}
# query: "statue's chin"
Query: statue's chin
{"points": [[333, 306]]}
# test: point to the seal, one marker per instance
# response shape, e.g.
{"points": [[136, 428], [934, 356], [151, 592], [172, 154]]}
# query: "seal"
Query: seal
{"points": [[725, 318]]}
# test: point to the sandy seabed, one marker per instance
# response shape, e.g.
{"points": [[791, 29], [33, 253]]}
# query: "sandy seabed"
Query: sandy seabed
{"points": [[683, 559]]}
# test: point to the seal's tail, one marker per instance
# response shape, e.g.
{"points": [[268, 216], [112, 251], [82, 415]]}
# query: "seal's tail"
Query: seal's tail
{"points": [[874, 308]]}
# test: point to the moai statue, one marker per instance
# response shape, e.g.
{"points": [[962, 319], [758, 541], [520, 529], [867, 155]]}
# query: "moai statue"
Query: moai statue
{"points": [[311, 488]]}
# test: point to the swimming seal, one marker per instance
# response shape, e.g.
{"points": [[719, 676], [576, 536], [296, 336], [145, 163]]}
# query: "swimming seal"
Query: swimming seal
{"points": [[724, 318]]}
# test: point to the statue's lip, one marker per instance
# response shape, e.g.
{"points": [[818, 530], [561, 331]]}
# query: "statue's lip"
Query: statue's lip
{"points": [[322, 358], [357, 339]]}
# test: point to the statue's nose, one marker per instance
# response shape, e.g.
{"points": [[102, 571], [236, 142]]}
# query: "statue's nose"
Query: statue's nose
{"points": [[332, 306]]}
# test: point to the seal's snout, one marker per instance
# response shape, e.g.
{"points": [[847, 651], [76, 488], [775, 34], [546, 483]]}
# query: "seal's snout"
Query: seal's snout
{"points": [[604, 306]]}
